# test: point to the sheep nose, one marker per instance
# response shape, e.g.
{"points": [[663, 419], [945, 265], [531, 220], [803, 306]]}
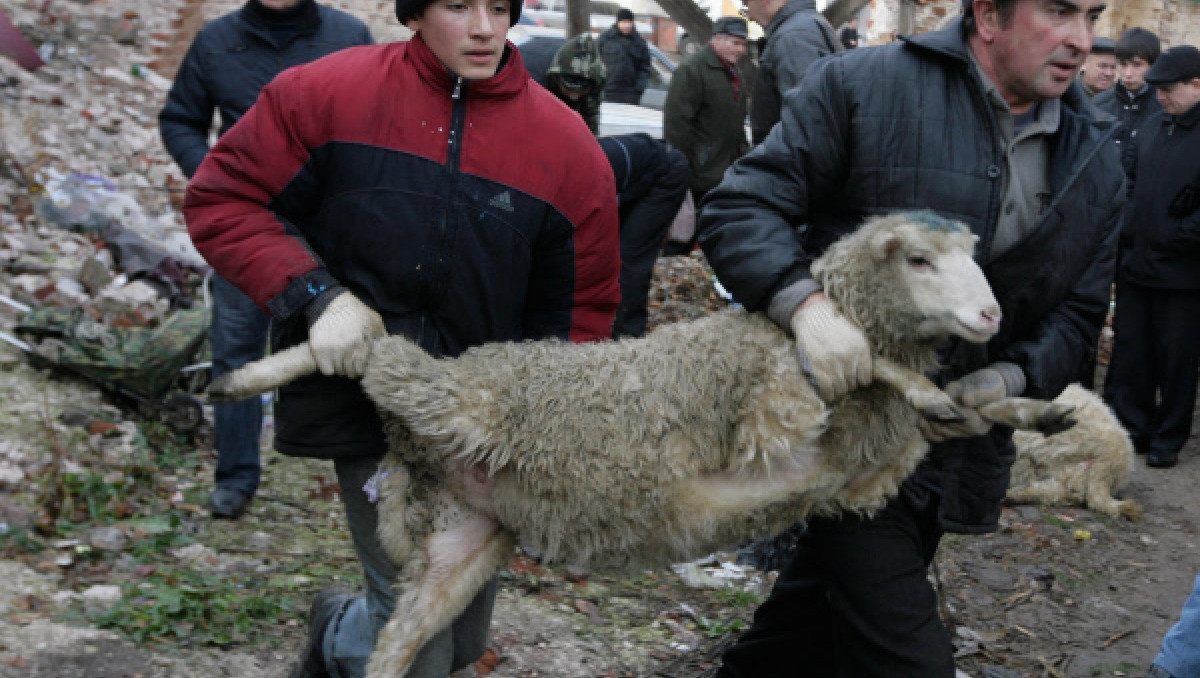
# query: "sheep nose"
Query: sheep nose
{"points": [[991, 315]]}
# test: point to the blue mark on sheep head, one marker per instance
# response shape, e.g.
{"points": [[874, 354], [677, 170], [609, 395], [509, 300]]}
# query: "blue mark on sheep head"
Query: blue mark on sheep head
{"points": [[934, 222]]}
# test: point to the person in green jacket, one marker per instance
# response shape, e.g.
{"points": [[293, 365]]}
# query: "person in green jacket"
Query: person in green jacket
{"points": [[705, 112]]}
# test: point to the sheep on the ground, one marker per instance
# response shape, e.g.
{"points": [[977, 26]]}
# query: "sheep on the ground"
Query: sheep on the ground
{"points": [[653, 450], [1081, 467]]}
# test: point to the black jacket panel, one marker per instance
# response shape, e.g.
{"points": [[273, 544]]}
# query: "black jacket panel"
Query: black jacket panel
{"points": [[1132, 111], [1162, 226]]}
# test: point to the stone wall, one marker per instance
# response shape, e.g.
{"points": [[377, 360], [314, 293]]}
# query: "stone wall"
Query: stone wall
{"points": [[1177, 22]]}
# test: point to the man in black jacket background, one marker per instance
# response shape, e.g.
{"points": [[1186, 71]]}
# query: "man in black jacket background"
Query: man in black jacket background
{"points": [[984, 123], [626, 60], [229, 62], [1151, 383], [1131, 101]]}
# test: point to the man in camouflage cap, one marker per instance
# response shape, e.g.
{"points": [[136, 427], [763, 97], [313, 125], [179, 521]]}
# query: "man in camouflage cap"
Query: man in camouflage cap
{"points": [[577, 76]]}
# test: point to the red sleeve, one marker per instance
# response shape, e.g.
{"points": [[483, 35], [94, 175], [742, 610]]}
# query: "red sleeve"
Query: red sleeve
{"points": [[597, 258], [226, 204]]}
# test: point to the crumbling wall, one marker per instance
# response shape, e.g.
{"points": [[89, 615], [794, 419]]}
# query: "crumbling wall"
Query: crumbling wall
{"points": [[1177, 22]]}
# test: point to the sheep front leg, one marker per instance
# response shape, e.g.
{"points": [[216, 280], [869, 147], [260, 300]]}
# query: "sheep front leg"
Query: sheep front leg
{"points": [[455, 564], [1029, 414], [931, 401]]}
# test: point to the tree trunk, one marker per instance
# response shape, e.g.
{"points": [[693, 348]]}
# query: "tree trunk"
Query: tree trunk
{"points": [[695, 21], [688, 14], [840, 11], [579, 17]]}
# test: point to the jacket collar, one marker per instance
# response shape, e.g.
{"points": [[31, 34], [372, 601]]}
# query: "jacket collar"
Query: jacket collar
{"points": [[260, 18], [1188, 120], [786, 12], [507, 81], [1126, 97]]}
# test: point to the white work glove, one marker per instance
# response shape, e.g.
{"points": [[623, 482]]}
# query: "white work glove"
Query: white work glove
{"points": [[342, 332], [833, 350], [995, 382]]}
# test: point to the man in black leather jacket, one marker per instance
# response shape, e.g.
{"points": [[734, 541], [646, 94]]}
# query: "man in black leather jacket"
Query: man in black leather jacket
{"points": [[983, 123], [229, 62]]}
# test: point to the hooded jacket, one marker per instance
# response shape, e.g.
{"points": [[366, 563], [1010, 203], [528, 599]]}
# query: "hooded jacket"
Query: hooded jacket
{"points": [[907, 126], [229, 63], [1162, 224], [580, 57], [440, 202]]}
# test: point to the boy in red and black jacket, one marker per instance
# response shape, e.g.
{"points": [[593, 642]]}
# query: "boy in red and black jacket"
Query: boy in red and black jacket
{"points": [[429, 189]]}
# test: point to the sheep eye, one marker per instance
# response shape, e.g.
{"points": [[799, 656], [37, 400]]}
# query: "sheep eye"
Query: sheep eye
{"points": [[919, 261]]}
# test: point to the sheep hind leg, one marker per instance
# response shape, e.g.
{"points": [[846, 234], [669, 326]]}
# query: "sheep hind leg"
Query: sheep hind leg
{"points": [[1029, 414], [455, 565], [1099, 498], [931, 401]]}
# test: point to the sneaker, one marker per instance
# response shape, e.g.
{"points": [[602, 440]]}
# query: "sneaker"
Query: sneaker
{"points": [[1157, 671], [325, 607], [227, 503]]}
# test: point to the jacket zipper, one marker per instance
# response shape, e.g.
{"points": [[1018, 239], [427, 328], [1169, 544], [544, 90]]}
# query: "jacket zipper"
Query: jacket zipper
{"points": [[458, 114]]}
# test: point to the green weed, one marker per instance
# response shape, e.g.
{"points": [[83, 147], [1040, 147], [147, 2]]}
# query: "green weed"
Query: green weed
{"points": [[185, 606]]}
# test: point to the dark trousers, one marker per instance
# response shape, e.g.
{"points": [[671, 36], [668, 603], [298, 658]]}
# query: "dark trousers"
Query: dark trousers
{"points": [[1152, 377], [854, 602], [651, 183], [238, 335]]}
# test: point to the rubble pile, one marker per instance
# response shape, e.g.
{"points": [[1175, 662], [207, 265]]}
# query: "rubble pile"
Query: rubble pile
{"points": [[88, 195]]}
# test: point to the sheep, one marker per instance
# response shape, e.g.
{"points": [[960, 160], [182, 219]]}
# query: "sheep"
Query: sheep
{"points": [[1082, 467], [653, 450]]}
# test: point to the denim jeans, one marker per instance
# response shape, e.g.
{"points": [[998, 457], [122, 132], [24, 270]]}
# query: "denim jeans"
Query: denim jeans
{"points": [[238, 335], [350, 638], [1180, 653]]}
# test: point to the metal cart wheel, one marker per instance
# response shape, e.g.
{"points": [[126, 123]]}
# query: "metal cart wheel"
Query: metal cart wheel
{"points": [[183, 412]]}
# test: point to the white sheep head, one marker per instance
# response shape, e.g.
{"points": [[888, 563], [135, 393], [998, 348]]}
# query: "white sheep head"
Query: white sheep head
{"points": [[922, 265]]}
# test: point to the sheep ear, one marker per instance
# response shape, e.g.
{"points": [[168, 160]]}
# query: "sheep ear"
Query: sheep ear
{"points": [[885, 244]]}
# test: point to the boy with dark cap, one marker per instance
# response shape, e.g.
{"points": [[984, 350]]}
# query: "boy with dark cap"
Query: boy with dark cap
{"points": [[1152, 378], [1099, 71], [407, 188], [1131, 101], [626, 59]]}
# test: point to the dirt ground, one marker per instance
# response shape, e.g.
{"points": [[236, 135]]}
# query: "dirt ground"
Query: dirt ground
{"points": [[1058, 591]]}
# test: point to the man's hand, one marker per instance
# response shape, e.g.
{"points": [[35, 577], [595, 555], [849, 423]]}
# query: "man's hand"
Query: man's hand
{"points": [[835, 351], [341, 334], [995, 382]]}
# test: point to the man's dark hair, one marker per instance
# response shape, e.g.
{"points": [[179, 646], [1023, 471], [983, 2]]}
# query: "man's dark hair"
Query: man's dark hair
{"points": [[1138, 42], [1004, 10]]}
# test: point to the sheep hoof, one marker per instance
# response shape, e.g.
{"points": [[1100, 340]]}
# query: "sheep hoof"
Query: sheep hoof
{"points": [[1056, 419], [942, 412]]}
